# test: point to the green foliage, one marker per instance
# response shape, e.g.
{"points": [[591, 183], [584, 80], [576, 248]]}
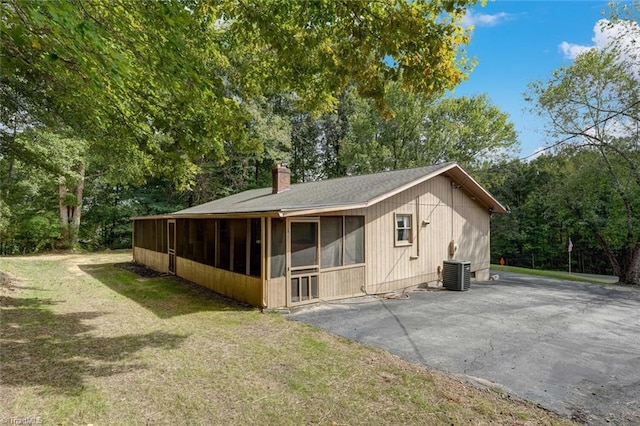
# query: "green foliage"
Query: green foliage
{"points": [[5, 219], [316, 48], [33, 163], [421, 131], [27, 191], [470, 130], [593, 106], [532, 234], [70, 200], [158, 85], [40, 231], [108, 210], [557, 197]]}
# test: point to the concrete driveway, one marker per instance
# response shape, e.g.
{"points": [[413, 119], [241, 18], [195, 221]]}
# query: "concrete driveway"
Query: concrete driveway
{"points": [[572, 347]]}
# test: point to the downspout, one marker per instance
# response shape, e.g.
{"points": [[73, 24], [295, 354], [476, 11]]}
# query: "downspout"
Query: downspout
{"points": [[452, 197], [264, 261], [417, 227], [452, 244]]}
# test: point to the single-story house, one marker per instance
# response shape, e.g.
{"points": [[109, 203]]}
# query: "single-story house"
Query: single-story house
{"points": [[300, 243]]}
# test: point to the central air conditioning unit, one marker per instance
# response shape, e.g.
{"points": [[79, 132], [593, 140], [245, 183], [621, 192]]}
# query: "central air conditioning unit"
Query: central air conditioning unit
{"points": [[456, 275]]}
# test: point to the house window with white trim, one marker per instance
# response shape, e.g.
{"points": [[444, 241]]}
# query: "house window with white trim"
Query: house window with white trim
{"points": [[403, 229]]}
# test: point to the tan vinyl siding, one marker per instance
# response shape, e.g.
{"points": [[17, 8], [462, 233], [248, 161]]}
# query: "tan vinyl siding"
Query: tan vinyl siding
{"points": [[406, 282], [452, 215], [343, 282], [471, 232], [277, 292]]}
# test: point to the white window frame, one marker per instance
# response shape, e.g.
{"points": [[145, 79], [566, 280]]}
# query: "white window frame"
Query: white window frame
{"points": [[400, 243]]}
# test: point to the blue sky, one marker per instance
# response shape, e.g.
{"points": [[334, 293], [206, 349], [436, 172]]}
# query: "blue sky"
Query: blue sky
{"points": [[517, 42]]}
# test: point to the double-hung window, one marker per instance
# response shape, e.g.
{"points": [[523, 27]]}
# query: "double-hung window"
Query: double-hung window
{"points": [[403, 229]]}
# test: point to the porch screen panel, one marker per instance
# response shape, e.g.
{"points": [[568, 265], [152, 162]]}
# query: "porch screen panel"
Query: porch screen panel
{"points": [[354, 240], [161, 229], [183, 248], [148, 234], [224, 245], [304, 243], [295, 289], [171, 237], [137, 233], [239, 234], [314, 287], [210, 242], [197, 234], [331, 241], [278, 248], [255, 251]]}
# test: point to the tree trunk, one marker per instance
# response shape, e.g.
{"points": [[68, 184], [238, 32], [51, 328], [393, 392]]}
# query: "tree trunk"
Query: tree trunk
{"points": [[70, 215], [617, 270], [9, 177], [64, 212], [631, 273], [77, 209]]}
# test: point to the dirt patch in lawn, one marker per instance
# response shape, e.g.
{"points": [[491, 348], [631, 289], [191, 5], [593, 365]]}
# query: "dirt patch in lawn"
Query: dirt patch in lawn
{"points": [[5, 280], [8, 288], [140, 270], [105, 348]]}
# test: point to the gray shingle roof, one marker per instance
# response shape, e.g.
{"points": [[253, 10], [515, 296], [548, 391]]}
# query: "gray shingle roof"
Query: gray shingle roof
{"points": [[338, 192]]}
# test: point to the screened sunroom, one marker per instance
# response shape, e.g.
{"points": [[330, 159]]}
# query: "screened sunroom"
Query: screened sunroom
{"points": [[228, 255]]}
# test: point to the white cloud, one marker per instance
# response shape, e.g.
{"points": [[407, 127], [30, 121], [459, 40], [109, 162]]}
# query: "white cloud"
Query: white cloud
{"points": [[624, 35], [541, 150], [571, 51], [483, 20]]}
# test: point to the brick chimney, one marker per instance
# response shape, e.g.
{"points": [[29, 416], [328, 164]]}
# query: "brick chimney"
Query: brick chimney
{"points": [[281, 179]]}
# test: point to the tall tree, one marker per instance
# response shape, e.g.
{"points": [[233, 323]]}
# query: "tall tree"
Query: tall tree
{"points": [[59, 160], [553, 198], [470, 130], [35, 168], [594, 104], [161, 84], [531, 234], [585, 195], [423, 131]]}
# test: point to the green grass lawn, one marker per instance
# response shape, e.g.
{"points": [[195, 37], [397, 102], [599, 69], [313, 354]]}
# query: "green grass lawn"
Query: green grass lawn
{"points": [[549, 274], [86, 342]]}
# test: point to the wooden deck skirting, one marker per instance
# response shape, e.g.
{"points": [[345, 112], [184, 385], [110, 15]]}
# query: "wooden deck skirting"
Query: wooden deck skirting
{"points": [[151, 259], [237, 286], [240, 287]]}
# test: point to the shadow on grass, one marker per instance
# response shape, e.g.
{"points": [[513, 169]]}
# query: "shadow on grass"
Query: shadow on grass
{"points": [[9, 283], [42, 348], [165, 296]]}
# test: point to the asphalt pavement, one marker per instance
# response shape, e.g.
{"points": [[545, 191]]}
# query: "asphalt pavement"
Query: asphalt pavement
{"points": [[572, 347]]}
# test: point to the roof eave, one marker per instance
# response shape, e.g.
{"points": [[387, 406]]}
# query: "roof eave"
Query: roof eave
{"points": [[247, 215], [465, 180], [461, 176], [413, 183], [320, 209], [452, 170]]}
